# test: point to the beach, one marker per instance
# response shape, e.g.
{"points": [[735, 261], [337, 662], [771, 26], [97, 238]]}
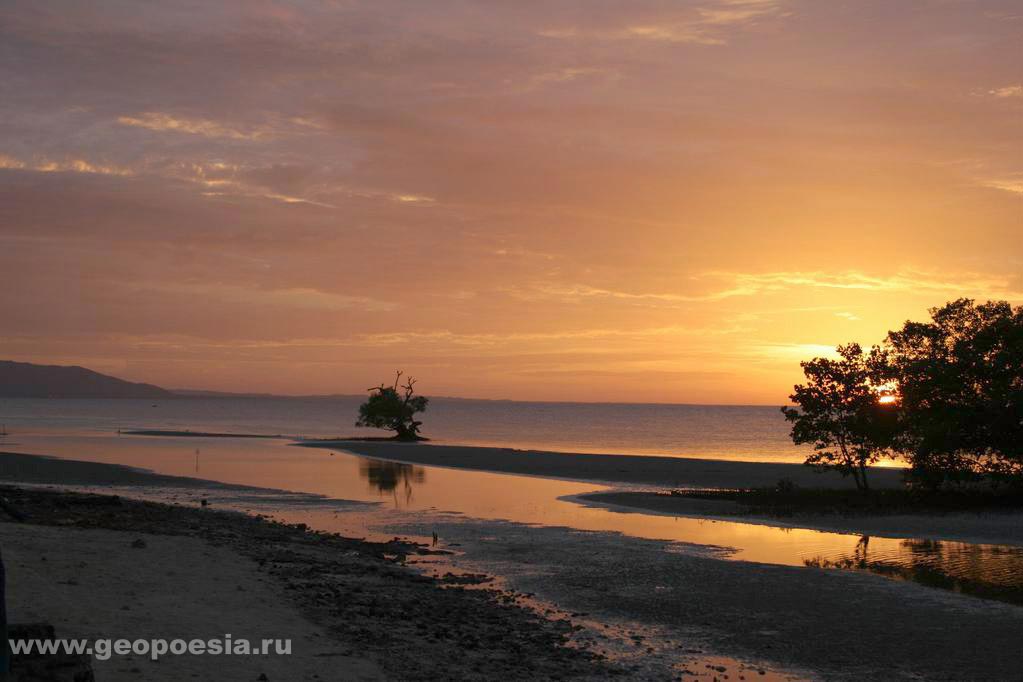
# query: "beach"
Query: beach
{"points": [[628, 605], [109, 567], [664, 472]]}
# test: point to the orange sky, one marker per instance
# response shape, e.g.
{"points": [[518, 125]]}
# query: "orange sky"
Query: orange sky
{"points": [[586, 200]]}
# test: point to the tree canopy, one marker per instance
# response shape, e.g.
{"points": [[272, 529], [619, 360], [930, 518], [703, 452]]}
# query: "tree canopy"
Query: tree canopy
{"points": [[960, 382], [945, 395], [394, 410], [840, 413]]}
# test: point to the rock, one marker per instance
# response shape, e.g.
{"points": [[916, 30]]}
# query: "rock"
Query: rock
{"points": [[138, 544]]}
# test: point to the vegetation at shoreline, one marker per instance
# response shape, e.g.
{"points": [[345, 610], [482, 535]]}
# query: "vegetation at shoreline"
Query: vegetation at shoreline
{"points": [[388, 409], [945, 396]]}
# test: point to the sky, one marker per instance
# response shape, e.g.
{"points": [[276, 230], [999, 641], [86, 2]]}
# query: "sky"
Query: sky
{"points": [[653, 200]]}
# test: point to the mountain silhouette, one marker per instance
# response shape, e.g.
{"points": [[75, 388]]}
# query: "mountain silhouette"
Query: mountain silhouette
{"points": [[25, 380]]}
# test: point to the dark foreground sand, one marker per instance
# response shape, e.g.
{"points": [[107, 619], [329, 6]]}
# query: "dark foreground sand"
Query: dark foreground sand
{"points": [[352, 609], [102, 584], [660, 471]]}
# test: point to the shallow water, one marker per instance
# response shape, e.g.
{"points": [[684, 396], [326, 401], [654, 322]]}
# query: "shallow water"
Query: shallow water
{"points": [[986, 570]]}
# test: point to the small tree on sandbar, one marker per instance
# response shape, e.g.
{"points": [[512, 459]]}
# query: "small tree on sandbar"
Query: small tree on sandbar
{"points": [[394, 408], [842, 414]]}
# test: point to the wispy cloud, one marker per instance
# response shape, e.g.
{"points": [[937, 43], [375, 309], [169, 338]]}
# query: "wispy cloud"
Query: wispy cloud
{"points": [[704, 25], [1012, 184], [10, 162], [303, 298], [906, 281], [152, 120], [62, 166], [1007, 91], [752, 284], [579, 292], [413, 199], [792, 351]]}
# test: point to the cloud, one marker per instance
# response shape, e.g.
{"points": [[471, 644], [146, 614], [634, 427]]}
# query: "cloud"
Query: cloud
{"points": [[9, 162], [581, 292], [438, 183], [907, 281], [220, 179], [62, 166], [753, 284], [412, 199], [702, 25], [194, 126], [1013, 184], [302, 298], [792, 351], [1007, 91]]}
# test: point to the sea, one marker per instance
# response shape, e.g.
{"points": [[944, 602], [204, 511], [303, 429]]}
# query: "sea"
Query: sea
{"points": [[733, 432]]}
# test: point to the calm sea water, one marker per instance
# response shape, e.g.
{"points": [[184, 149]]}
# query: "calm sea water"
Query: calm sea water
{"points": [[711, 431]]}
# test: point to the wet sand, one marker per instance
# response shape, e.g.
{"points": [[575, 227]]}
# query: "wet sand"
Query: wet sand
{"points": [[352, 608], [42, 469], [654, 470], [848, 626]]}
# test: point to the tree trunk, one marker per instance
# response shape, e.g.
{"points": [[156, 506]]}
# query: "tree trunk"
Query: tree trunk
{"points": [[856, 474]]}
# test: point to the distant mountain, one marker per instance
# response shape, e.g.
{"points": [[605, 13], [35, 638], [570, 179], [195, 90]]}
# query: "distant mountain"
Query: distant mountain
{"points": [[201, 393], [25, 380]]}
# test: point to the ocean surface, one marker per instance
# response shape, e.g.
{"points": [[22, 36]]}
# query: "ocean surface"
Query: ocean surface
{"points": [[749, 433]]}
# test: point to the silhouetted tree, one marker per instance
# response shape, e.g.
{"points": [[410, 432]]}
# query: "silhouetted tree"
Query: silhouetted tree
{"points": [[840, 413], [394, 410], [960, 382]]}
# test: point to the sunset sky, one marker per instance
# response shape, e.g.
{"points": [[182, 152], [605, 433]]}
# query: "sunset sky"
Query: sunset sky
{"points": [[560, 200]]}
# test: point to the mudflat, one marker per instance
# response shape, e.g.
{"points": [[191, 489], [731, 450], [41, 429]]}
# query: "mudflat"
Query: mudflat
{"points": [[645, 470]]}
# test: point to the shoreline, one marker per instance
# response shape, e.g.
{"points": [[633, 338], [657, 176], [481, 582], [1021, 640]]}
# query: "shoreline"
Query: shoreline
{"points": [[652, 470], [352, 606], [371, 604], [983, 527]]}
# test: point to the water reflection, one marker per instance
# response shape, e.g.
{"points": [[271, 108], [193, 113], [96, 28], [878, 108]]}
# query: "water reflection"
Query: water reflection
{"points": [[991, 571], [387, 476], [988, 571]]}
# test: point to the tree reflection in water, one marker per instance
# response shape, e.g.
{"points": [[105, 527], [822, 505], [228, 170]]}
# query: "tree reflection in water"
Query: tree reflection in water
{"points": [[986, 571], [387, 476]]}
